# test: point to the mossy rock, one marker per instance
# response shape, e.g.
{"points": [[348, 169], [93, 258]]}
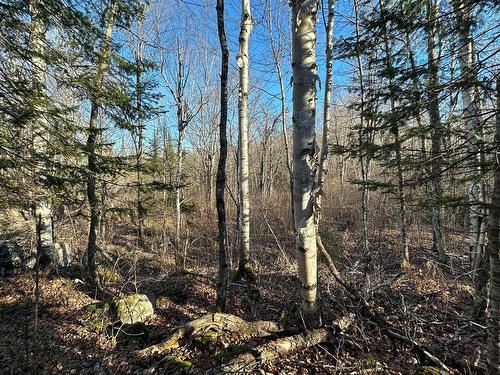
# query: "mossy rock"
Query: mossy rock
{"points": [[97, 315], [108, 275], [132, 309]]}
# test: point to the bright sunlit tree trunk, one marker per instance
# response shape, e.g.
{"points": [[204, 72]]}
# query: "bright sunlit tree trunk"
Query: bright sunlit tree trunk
{"points": [[304, 152], [244, 267]]}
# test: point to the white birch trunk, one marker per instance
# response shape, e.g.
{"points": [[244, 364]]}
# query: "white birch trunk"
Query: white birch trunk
{"points": [[179, 262], [243, 63], [304, 152], [43, 207]]}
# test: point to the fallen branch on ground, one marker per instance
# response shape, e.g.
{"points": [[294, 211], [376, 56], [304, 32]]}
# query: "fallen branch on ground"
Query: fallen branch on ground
{"points": [[273, 350], [215, 321]]}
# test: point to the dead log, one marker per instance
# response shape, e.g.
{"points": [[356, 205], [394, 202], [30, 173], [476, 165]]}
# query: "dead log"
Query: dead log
{"points": [[217, 322], [422, 351], [276, 349]]}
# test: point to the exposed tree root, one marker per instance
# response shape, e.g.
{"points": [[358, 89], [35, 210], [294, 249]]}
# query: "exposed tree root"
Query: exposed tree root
{"points": [[215, 321], [387, 328], [273, 350], [245, 271]]}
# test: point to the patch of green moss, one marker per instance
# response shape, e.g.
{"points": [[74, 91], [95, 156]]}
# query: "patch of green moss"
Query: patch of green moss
{"points": [[108, 275], [370, 360], [97, 315], [181, 363], [206, 338]]}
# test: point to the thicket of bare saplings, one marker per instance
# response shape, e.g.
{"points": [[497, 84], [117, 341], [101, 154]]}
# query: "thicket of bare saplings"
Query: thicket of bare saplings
{"points": [[271, 187]]}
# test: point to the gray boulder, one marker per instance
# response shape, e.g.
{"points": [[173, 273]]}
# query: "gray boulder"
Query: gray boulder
{"points": [[11, 258], [132, 309]]}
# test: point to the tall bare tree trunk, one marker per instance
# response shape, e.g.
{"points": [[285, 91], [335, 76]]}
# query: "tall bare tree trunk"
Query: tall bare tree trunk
{"points": [[472, 119], [220, 183], [181, 127], [417, 99], [179, 262], [323, 157], [184, 116], [493, 313], [276, 51], [323, 160], [404, 252], [435, 124], [93, 170], [140, 142], [364, 160], [305, 152], [244, 267], [167, 179], [43, 206]]}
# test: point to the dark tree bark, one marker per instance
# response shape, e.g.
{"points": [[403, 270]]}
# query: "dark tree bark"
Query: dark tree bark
{"points": [[93, 170], [437, 127], [221, 169]]}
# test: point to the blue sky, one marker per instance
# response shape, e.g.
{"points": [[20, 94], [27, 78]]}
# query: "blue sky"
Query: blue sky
{"points": [[195, 22], [194, 19]]}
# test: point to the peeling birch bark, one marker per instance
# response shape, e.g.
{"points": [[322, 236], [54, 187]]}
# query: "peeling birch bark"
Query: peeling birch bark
{"points": [[304, 152], [244, 267]]}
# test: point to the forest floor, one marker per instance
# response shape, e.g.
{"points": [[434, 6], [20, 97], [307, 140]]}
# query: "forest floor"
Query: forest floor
{"points": [[429, 302]]}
